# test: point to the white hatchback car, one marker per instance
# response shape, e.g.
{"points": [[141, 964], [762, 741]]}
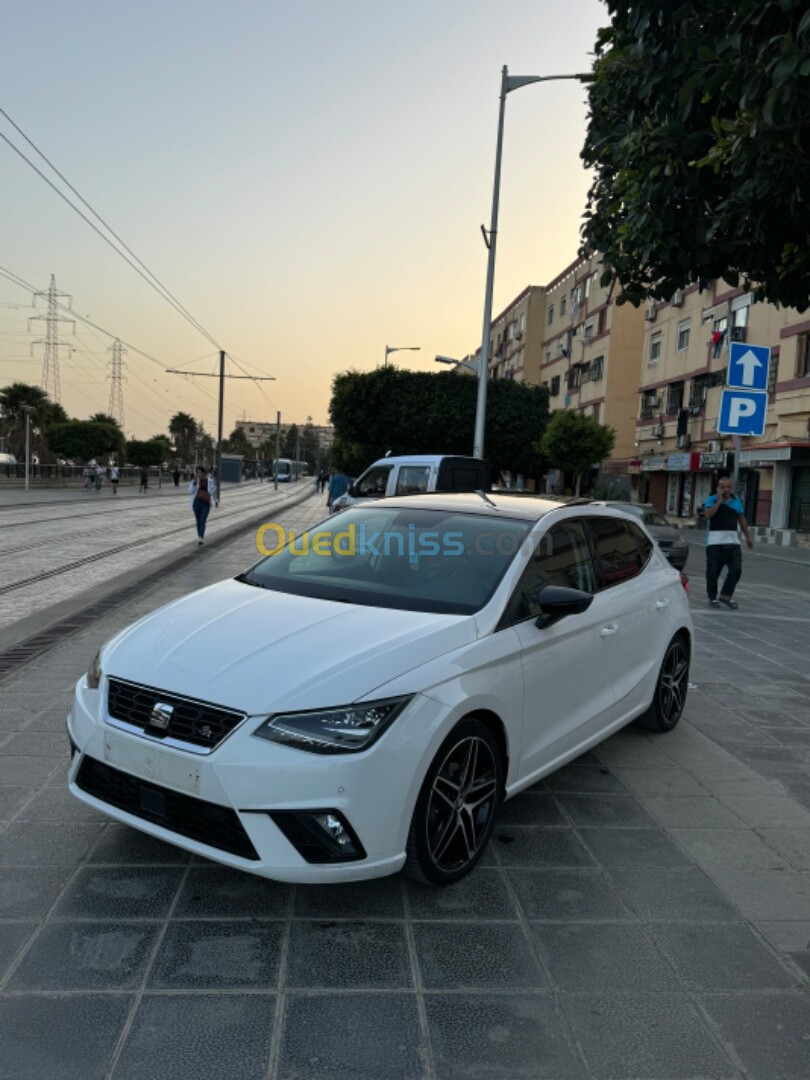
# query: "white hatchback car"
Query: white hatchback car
{"points": [[364, 703]]}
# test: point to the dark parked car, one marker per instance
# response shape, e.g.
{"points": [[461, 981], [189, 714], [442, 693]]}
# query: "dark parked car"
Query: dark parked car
{"points": [[668, 537]]}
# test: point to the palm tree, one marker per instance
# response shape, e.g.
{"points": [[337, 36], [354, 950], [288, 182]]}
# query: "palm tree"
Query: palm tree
{"points": [[105, 418], [183, 428], [12, 398]]}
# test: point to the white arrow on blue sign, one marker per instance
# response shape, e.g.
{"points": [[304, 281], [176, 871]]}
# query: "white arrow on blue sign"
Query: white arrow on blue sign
{"points": [[748, 366], [742, 412]]}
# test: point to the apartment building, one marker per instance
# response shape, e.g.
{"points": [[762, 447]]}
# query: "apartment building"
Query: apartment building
{"points": [[590, 352], [683, 371], [516, 335]]}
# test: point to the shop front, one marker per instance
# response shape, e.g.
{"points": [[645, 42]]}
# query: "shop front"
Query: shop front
{"points": [[783, 473]]}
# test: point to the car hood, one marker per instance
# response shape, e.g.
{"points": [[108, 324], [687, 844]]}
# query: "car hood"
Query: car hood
{"points": [[259, 651]]}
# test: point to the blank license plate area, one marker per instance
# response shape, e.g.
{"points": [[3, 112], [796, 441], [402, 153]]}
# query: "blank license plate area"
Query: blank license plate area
{"points": [[152, 764]]}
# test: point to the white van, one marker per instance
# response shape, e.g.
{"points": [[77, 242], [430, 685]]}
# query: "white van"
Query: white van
{"points": [[414, 475]]}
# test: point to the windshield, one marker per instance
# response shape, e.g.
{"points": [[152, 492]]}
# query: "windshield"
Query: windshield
{"points": [[416, 560]]}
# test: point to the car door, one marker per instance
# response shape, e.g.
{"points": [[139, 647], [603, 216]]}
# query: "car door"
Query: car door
{"points": [[640, 588], [568, 666]]}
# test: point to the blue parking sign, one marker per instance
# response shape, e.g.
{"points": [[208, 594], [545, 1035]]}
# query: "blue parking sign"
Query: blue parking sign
{"points": [[748, 366], [742, 412]]}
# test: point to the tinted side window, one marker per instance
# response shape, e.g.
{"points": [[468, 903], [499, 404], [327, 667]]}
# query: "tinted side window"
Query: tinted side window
{"points": [[645, 545], [617, 554], [562, 557], [374, 482]]}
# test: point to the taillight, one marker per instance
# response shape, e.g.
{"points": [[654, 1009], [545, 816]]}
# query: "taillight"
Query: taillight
{"points": [[684, 582]]}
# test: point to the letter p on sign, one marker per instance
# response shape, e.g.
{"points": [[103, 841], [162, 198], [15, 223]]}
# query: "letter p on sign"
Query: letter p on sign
{"points": [[739, 410]]}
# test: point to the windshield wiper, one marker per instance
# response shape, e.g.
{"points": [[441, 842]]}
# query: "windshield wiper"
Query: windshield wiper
{"points": [[245, 580]]}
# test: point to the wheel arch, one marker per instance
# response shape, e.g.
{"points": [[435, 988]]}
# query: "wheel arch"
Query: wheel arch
{"points": [[497, 728]]}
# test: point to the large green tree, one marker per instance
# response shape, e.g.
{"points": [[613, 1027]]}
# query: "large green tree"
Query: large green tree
{"points": [[147, 452], [238, 443], [573, 443], [81, 440], [411, 412], [12, 416], [699, 135]]}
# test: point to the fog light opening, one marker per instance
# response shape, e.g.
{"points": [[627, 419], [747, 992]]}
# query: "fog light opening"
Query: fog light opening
{"points": [[319, 836]]}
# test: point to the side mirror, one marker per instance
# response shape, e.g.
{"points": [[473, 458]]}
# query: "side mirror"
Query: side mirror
{"points": [[556, 602]]}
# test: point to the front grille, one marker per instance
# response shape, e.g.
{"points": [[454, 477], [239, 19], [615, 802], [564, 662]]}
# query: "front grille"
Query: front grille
{"points": [[193, 722], [209, 823]]}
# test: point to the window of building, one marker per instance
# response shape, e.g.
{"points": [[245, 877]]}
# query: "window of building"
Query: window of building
{"points": [[716, 378], [674, 397], [597, 368], [601, 324], [595, 413], [548, 356], [550, 314], [555, 386], [562, 305], [802, 356], [650, 405], [587, 331], [684, 329], [522, 324], [655, 348], [697, 392], [773, 373], [574, 377]]}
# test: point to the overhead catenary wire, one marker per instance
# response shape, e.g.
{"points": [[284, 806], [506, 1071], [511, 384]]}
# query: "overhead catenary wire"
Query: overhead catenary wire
{"points": [[151, 279]]}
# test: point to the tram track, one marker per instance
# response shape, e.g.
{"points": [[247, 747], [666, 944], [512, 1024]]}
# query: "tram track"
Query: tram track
{"points": [[130, 545]]}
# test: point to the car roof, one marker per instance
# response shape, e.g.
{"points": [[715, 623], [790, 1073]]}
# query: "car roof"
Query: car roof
{"points": [[529, 507], [420, 459]]}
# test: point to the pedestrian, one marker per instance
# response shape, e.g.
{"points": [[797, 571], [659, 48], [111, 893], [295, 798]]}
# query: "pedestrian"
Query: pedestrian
{"points": [[97, 478], [144, 478], [724, 513], [338, 485], [114, 479], [176, 477], [87, 477], [203, 492]]}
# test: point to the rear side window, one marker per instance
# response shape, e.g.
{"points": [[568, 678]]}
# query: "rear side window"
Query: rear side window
{"points": [[645, 545], [412, 480], [618, 556]]}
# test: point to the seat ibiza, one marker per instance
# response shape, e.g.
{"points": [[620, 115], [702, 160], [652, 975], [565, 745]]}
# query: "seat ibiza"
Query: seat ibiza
{"points": [[363, 698]]}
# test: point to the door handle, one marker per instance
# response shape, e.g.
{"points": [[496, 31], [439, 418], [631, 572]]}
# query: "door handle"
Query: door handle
{"points": [[660, 605], [608, 631]]}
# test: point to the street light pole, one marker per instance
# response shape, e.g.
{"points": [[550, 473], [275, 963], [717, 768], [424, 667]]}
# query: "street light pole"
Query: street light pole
{"points": [[465, 363], [27, 409], [508, 83], [398, 348]]}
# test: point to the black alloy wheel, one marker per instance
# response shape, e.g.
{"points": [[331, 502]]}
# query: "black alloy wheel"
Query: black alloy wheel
{"points": [[455, 811], [670, 690]]}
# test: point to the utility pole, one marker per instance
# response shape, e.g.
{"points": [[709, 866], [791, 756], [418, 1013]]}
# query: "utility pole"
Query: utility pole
{"points": [[117, 362], [278, 449], [51, 342], [222, 377]]}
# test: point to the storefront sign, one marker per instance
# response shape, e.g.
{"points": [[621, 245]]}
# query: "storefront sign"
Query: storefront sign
{"points": [[679, 462], [772, 453], [654, 463], [713, 461]]}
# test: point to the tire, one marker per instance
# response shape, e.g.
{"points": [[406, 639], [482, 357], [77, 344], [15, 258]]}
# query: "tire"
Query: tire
{"points": [[670, 689], [455, 812]]}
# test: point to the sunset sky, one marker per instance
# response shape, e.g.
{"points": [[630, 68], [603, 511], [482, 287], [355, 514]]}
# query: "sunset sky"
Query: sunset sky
{"points": [[307, 177]]}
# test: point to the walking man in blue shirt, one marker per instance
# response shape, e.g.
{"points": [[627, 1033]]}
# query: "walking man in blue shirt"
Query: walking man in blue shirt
{"points": [[723, 513]]}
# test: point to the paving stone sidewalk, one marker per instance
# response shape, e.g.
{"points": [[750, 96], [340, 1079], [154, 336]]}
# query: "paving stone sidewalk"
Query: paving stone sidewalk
{"points": [[643, 914]]}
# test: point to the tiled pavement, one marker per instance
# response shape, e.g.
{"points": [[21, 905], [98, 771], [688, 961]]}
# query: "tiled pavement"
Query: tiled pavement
{"points": [[643, 913]]}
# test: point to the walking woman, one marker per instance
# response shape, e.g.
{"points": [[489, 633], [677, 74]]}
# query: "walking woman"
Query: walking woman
{"points": [[203, 492]]}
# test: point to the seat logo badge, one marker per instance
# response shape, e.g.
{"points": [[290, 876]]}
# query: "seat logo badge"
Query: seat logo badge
{"points": [[161, 715]]}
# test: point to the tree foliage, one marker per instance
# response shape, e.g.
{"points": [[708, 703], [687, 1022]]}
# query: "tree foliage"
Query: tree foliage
{"points": [[699, 135], [573, 443], [81, 440], [410, 412], [238, 443], [184, 430], [46, 412], [147, 452]]}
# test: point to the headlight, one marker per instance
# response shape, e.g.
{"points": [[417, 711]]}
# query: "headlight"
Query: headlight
{"points": [[94, 672], [344, 730]]}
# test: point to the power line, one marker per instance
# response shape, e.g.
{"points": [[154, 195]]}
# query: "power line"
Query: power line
{"points": [[151, 280]]}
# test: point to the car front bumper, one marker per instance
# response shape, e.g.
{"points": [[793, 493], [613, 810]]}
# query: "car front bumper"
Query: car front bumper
{"points": [[245, 779]]}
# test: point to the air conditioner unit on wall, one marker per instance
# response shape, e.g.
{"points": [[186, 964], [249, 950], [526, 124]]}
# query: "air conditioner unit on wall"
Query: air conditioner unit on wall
{"points": [[650, 312], [657, 429], [714, 446], [677, 298]]}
